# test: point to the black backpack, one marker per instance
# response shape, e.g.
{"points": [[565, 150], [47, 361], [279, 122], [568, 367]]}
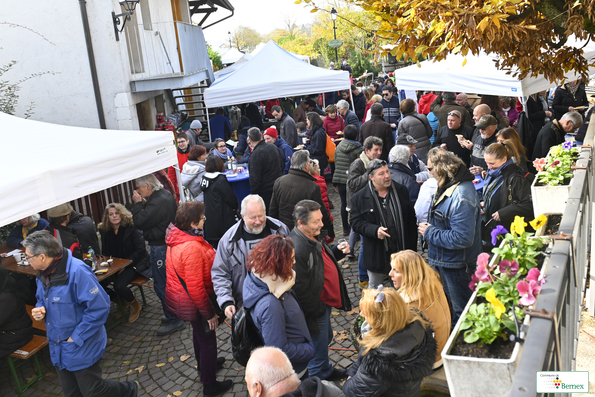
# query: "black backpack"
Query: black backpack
{"points": [[244, 336]]}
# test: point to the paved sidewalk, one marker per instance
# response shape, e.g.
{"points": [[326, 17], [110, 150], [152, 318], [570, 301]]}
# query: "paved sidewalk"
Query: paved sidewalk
{"points": [[161, 364]]}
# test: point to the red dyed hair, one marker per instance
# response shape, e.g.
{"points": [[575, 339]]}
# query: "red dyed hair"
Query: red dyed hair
{"points": [[272, 256]]}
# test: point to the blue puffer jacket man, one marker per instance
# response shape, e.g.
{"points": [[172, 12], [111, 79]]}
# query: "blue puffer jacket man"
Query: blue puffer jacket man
{"points": [[76, 307]]}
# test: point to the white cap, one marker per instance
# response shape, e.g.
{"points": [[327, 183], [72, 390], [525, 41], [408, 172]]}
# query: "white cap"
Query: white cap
{"points": [[195, 125]]}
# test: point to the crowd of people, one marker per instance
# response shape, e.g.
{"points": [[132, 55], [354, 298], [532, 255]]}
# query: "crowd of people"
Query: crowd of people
{"points": [[405, 186]]}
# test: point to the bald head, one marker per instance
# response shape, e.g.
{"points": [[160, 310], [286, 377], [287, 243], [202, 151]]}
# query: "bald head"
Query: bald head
{"points": [[462, 99], [481, 110], [269, 373]]}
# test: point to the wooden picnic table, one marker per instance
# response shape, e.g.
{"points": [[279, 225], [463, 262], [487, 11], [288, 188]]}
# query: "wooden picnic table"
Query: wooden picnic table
{"points": [[12, 266]]}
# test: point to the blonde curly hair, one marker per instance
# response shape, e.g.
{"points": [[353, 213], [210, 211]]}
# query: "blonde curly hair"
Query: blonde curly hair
{"points": [[106, 226]]}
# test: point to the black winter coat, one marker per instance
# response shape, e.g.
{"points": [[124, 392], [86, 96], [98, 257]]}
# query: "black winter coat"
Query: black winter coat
{"points": [[292, 188], [265, 167], [309, 277], [377, 127], [134, 248], [154, 216], [536, 115], [221, 205], [67, 239], [365, 220], [512, 198], [16, 328], [359, 103], [84, 228], [550, 135], [563, 99], [317, 147], [395, 368], [404, 176]]}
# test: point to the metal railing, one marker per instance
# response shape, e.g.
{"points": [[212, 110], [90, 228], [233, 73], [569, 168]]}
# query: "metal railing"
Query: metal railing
{"points": [[552, 338], [153, 50]]}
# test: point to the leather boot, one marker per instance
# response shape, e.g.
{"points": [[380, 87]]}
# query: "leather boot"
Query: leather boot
{"points": [[135, 308], [217, 388]]}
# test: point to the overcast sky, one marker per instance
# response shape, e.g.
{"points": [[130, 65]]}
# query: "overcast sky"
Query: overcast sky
{"points": [[261, 15]]}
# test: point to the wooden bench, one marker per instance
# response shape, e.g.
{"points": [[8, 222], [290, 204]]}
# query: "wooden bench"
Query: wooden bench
{"points": [[140, 282], [26, 352]]}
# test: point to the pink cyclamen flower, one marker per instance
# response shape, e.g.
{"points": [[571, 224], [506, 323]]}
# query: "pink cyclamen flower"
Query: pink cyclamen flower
{"points": [[555, 163], [527, 297], [509, 268]]}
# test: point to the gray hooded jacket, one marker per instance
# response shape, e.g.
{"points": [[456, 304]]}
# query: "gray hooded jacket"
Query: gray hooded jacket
{"points": [[229, 269], [191, 176]]}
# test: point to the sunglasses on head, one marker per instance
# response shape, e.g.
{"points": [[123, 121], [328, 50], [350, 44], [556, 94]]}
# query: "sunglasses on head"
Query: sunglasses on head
{"points": [[379, 165], [454, 114]]}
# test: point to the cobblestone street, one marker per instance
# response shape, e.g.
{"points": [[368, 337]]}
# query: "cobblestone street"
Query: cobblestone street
{"points": [[166, 365]]}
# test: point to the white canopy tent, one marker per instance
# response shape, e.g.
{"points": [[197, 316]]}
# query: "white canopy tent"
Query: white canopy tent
{"points": [[48, 164], [231, 56], [232, 68], [479, 75], [273, 73], [260, 46]]}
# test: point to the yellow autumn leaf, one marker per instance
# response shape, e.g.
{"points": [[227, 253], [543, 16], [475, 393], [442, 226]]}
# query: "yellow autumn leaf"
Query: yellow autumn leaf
{"points": [[457, 49], [297, 1], [169, 360], [496, 21], [313, 10], [160, 365], [129, 372], [335, 313], [177, 393], [483, 24], [185, 357], [532, 27], [464, 62]]}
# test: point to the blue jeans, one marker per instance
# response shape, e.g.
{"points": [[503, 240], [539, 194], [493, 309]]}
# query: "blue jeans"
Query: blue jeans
{"points": [[456, 288], [361, 266], [320, 365], [157, 258]]}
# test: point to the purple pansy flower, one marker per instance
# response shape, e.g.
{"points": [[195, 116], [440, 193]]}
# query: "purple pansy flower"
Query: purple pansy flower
{"points": [[567, 145], [496, 232]]}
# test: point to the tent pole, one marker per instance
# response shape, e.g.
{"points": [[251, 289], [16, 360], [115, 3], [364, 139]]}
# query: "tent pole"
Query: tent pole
{"points": [[209, 124], [351, 96], [323, 101], [180, 187]]}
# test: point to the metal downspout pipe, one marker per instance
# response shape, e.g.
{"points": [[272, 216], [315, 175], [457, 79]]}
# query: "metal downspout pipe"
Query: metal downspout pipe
{"points": [[92, 65]]}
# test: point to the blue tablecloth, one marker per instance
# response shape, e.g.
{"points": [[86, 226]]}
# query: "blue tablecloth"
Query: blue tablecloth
{"points": [[240, 183]]}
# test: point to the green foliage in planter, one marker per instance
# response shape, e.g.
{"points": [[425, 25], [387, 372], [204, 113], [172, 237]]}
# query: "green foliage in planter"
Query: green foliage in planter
{"points": [[556, 169], [512, 282]]}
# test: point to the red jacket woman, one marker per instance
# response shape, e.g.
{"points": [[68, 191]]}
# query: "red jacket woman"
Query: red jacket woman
{"points": [[333, 124], [189, 288]]}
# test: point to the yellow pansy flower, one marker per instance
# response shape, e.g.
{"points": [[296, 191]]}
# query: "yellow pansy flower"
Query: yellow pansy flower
{"points": [[499, 308], [518, 226], [538, 222], [555, 150]]}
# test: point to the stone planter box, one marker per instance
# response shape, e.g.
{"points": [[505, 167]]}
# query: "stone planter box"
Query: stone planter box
{"points": [[485, 377]]}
